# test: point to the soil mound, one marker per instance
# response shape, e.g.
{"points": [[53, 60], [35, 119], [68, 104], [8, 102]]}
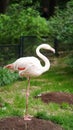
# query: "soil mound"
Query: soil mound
{"points": [[57, 97], [17, 123]]}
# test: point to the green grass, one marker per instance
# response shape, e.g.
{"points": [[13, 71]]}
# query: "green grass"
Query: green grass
{"points": [[59, 78]]}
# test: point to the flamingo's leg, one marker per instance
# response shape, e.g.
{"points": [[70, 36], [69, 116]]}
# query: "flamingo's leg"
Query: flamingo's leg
{"points": [[27, 117]]}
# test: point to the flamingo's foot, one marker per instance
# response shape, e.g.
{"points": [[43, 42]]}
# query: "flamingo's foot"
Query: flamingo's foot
{"points": [[27, 117]]}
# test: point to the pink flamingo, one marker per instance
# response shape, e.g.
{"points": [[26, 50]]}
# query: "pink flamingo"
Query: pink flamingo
{"points": [[31, 67]]}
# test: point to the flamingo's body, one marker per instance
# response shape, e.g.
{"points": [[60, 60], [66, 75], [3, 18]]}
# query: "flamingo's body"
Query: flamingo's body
{"points": [[28, 66], [31, 67]]}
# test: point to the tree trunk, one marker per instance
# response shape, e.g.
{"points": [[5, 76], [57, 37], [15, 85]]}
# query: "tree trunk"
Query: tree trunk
{"points": [[3, 5], [47, 7]]}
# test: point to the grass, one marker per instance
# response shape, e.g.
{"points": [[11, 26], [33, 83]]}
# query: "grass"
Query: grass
{"points": [[59, 78]]}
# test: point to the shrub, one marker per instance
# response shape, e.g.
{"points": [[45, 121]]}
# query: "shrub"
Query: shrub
{"points": [[61, 24], [7, 77], [18, 22], [61, 27]]}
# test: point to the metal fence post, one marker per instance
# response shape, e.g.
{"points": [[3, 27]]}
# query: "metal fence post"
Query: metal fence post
{"points": [[56, 46], [21, 46]]}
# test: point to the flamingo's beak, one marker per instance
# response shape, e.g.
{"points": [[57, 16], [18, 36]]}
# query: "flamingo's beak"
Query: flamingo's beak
{"points": [[53, 50]]}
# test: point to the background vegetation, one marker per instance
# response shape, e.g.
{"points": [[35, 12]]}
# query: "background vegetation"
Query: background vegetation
{"points": [[27, 21], [24, 18], [21, 19]]}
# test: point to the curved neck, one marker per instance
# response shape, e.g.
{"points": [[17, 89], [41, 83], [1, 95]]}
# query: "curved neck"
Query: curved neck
{"points": [[46, 61]]}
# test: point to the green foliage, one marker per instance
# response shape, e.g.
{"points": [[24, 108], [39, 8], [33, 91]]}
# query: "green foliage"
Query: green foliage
{"points": [[61, 24], [42, 115], [65, 120], [69, 60], [6, 77], [21, 1], [65, 105], [7, 108], [61, 27], [27, 3], [18, 22], [4, 22]]}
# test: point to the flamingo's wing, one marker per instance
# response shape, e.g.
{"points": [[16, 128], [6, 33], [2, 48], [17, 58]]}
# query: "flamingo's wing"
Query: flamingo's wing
{"points": [[28, 67], [26, 63]]}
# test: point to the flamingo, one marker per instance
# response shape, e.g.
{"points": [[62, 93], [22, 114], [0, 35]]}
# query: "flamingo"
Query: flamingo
{"points": [[31, 67]]}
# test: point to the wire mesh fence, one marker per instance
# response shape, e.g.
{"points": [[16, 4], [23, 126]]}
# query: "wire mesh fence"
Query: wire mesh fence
{"points": [[27, 46], [8, 53]]}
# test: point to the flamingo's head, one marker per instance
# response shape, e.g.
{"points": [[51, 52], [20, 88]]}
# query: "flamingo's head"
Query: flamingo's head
{"points": [[9, 66], [47, 47]]}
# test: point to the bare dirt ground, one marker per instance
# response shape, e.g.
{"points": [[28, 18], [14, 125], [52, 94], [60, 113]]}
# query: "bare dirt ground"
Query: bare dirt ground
{"points": [[18, 123], [57, 97]]}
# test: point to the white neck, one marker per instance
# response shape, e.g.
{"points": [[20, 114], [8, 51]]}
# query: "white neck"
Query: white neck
{"points": [[47, 63]]}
